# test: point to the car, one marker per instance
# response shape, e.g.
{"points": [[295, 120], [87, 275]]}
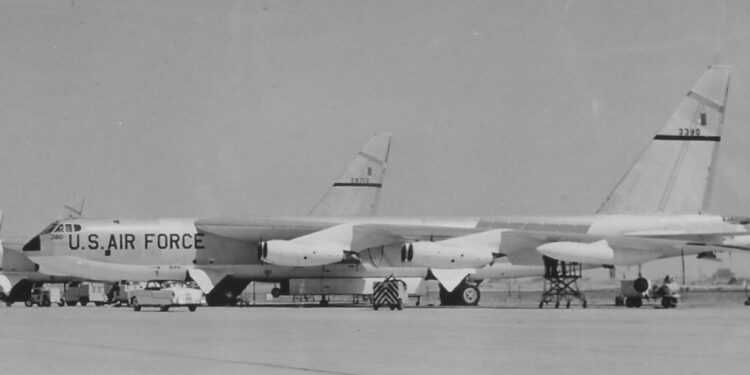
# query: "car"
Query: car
{"points": [[165, 294]]}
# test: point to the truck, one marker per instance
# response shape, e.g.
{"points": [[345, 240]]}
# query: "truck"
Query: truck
{"points": [[44, 296], [84, 293], [118, 292]]}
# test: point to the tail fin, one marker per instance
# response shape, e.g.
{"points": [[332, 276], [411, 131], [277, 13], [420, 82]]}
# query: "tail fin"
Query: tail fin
{"points": [[674, 173], [357, 191]]}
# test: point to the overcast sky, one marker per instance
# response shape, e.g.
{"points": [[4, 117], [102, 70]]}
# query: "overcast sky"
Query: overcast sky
{"points": [[194, 108]]}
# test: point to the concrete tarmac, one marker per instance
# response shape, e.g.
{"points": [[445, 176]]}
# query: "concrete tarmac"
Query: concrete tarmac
{"points": [[358, 340]]}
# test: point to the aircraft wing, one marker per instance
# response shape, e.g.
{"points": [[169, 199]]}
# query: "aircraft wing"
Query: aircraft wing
{"points": [[522, 247], [449, 252], [729, 240], [258, 229], [368, 236]]}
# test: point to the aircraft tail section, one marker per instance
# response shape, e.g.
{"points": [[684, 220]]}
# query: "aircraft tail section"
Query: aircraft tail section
{"points": [[674, 173], [357, 191]]}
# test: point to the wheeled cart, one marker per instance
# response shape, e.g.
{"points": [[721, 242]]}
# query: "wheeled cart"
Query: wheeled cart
{"points": [[561, 283], [390, 292]]}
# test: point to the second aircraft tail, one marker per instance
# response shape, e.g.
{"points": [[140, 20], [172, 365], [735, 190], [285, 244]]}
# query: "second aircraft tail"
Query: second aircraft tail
{"points": [[674, 173], [357, 191]]}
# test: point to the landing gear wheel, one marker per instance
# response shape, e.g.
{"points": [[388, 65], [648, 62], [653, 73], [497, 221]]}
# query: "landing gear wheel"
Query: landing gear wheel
{"points": [[465, 294], [46, 302], [163, 308], [275, 292], [70, 303], [61, 302], [468, 295], [135, 304], [192, 308], [28, 303]]}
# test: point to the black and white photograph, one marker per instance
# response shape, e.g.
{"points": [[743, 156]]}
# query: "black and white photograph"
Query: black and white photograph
{"points": [[374, 187]]}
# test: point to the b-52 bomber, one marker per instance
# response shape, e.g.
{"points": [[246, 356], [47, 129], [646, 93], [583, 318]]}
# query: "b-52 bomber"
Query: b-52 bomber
{"points": [[654, 212]]}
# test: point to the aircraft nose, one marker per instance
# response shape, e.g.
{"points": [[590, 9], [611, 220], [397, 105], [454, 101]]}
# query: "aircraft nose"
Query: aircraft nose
{"points": [[33, 245]]}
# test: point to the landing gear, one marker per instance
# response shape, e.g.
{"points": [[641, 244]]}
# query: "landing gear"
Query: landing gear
{"points": [[465, 294], [276, 292], [324, 300]]}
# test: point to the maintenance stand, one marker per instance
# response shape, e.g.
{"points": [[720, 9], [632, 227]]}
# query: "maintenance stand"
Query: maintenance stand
{"points": [[561, 283]]}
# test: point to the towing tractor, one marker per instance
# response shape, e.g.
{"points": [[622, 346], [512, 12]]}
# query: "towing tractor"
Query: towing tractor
{"points": [[633, 292]]}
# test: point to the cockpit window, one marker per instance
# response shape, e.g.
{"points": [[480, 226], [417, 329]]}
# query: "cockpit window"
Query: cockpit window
{"points": [[77, 228], [49, 228], [68, 227], [60, 228]]}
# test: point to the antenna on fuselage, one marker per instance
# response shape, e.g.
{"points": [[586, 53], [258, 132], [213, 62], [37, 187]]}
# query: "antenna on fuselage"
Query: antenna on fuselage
{"points": [[76, 213]]}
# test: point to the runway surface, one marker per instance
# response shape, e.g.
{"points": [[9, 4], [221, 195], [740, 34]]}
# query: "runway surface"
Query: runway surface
{"points": [[694, 339]]}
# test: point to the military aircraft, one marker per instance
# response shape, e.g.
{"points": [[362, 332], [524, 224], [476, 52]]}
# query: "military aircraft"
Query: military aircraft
{"points": [[18, 273], [654, 212], [115, 249]]}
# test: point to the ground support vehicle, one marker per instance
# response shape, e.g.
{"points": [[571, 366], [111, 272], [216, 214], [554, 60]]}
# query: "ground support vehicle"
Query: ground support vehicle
{"points": [[630, 295], [165, 294], [84, 293], [390, 292], [561, 283], [117, 294], [43, 296]]}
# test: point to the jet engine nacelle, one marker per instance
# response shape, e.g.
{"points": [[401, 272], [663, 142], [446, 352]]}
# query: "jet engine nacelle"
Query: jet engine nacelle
{"points": [[437, 255], [295, 254]]}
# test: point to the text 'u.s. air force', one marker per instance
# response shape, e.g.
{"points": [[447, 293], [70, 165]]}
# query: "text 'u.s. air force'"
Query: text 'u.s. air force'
{"points": [[130, 241]]}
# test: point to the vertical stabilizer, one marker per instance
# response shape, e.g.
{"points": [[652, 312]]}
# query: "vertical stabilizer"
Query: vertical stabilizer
{"points": [[674, 173], [357, 191]]}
